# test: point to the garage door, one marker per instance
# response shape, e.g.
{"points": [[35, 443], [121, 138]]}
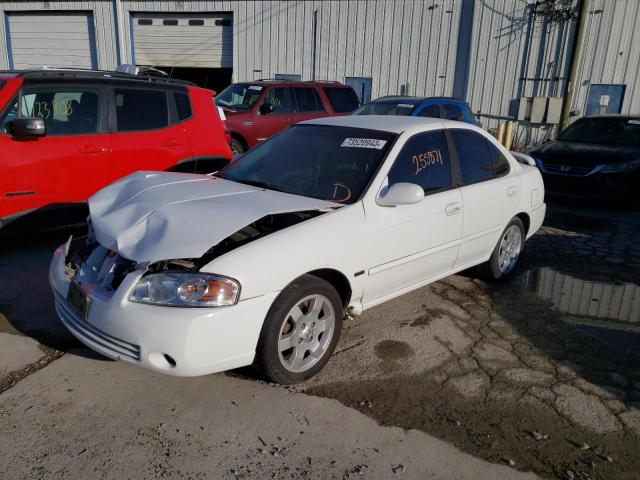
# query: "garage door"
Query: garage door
{"points": [[183, 40], [51, 39]]}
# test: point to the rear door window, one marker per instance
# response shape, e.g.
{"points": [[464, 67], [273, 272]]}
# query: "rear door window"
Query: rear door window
{"points": [[431, 111], [280, 100], [66, 111], [342, 100], [307, 100], [476, 160], [452, 112], [424, 160], [139, 110]]}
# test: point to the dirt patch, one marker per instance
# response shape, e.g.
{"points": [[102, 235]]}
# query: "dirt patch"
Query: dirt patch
{"points": [[391, 353], [527, 432], [50, 355], [430, 314], [390, 350], [500, 370]]}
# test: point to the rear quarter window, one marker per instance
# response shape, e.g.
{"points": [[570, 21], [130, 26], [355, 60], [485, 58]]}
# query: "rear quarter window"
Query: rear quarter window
{"points": [[183, 106], [342, 100]]}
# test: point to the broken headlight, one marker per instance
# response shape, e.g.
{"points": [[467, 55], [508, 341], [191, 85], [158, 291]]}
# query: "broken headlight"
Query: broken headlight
{"points": [[181, 289]]}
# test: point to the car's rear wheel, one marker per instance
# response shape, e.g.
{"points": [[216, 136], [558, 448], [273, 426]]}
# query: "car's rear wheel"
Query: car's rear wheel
{"points": [[237, 148], [506, 253], [300, 331]]}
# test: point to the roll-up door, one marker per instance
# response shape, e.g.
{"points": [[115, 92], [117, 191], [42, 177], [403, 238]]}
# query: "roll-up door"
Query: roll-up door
{"points": [[52, 39], [183, 40]]}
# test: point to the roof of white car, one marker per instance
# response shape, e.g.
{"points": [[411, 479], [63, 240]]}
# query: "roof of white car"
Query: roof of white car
{"points": [[387, 123]]}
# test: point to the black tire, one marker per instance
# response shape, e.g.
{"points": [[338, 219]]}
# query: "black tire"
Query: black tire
{"points": [[237, 148], [491, 270], [268, 361]]}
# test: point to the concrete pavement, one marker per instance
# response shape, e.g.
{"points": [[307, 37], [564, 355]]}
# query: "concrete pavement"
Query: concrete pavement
{"points": [[83, 417]]}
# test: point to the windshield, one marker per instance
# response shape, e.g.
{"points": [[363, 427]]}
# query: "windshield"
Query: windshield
{"points": [[318, 161], [604, 130], [239, 96], [385, 108]]}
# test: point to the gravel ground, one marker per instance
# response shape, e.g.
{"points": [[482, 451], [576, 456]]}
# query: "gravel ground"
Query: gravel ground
{"points": [[515, 373], [503, 373]]}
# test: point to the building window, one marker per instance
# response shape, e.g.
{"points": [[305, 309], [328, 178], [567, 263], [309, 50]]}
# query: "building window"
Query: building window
{"points": [[292, 77], [145, 21]]}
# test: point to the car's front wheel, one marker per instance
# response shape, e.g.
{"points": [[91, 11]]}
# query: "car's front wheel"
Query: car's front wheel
{"points": [[300, 331], [237, 148], [506, 253]]}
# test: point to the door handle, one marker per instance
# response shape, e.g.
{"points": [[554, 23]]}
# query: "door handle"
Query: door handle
{"points": [[452, 209], [172, 142], [512, 192], [92, 149]]}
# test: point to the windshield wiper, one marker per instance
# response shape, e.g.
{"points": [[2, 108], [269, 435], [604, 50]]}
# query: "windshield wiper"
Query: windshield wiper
{"points": [[259, 184]]}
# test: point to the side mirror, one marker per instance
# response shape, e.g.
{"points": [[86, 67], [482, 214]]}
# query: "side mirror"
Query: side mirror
{"points": [[30, 127], [524, 158], [401, 194], [266, 108]]}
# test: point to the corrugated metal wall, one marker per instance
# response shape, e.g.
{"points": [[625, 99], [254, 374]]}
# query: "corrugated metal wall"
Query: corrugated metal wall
{"points": [[611, 51], [516, 52], [490, 52], [103, 16], [386, 40]]}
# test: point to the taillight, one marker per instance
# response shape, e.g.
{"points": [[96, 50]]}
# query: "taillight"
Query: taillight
{"points": [[227, 135]]}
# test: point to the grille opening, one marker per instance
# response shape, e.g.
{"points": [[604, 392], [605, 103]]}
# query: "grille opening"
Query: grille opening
{"points": [[169, 360]]}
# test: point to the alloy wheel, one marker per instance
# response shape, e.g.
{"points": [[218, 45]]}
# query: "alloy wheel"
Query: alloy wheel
{"points": [[306, 332], [510, 247]]}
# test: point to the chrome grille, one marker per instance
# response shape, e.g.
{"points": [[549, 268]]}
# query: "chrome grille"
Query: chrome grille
{"points": [[92, 335]]}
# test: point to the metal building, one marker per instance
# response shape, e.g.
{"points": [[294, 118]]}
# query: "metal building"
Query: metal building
{"points": [[511, 59]]}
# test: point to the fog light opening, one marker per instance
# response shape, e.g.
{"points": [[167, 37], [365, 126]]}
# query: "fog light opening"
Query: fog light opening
{"points": [[169, 360]]}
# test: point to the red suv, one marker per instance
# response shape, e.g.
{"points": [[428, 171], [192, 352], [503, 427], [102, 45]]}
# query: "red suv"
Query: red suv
{"points": [[257, 110], [65, 134]]}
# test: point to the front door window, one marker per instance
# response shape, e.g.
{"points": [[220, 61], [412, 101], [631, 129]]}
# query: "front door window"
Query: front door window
{"points": [[65, 111]]}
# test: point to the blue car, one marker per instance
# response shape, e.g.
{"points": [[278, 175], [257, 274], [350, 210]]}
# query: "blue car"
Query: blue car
{"points": [[434, 107]]}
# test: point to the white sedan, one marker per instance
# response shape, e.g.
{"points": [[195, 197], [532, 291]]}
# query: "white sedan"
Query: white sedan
{"points": [[259, 263]]}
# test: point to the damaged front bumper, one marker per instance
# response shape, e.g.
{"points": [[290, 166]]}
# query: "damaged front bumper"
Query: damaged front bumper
{"points": [[173, 340]]}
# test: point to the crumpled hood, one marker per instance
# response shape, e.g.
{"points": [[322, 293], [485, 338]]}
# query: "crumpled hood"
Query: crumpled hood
{"points": [[151, 216]]}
